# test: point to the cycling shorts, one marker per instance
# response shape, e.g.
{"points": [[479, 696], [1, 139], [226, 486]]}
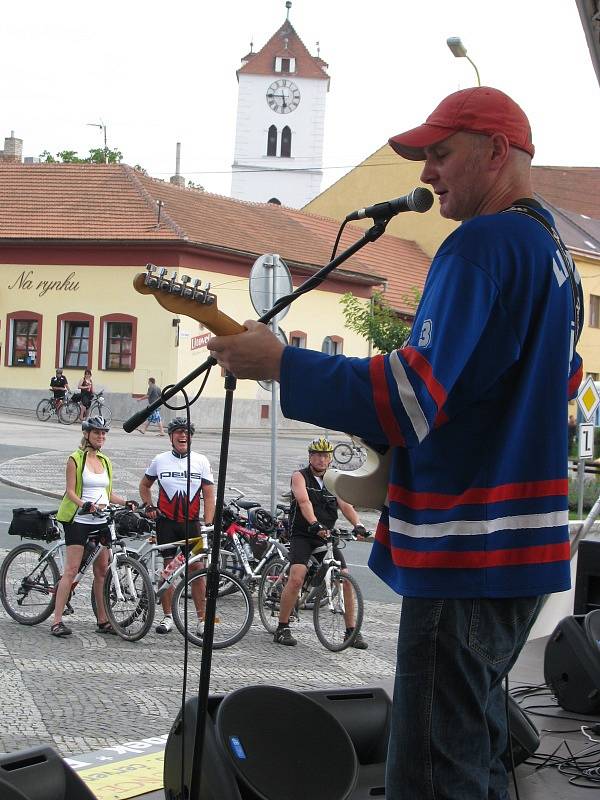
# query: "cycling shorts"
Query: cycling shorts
{"points": [[168, 530], [301, 548], [79, 532]]}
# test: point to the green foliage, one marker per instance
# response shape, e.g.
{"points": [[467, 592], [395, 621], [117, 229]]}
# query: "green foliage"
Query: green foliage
{"points": [[98, 155], [591, 490], [377, 321]]}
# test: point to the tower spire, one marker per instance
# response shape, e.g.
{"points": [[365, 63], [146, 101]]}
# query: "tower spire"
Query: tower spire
{"points": [[288, 5]]}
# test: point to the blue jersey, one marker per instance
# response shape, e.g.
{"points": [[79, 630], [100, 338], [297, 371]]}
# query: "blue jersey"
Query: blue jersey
{"points": [[474, 405]]}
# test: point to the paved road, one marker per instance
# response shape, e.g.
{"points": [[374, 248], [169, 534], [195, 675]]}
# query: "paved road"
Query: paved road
{"points": [[92, 691]]}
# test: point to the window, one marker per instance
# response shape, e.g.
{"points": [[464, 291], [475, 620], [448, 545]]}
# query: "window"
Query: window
{"points": [[118, 334], [272, 141], [298, 338], [285, 64], [74, 338], [594, 311], [286, 142], [23, 339], [332, 345]]}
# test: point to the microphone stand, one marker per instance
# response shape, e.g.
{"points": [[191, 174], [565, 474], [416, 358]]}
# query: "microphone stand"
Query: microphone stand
{"points": [[212, 578]]}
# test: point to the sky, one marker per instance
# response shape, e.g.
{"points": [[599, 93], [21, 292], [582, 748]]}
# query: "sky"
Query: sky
{"points": [[160, 73]]}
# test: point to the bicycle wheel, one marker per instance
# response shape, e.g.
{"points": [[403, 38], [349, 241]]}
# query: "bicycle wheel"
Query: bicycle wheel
{"points": [[131, 615], [234, 615], [68, 413], [342, 453], [97, 410], [328, 617], [44, 410], [27, 583], [270, 587]]}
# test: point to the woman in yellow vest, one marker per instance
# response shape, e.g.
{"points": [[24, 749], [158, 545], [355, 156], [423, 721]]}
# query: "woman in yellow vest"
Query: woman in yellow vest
{"points": [[89, 488]]}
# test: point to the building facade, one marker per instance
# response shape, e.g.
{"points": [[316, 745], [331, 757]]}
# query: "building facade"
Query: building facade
{"points": [[74, 236]]}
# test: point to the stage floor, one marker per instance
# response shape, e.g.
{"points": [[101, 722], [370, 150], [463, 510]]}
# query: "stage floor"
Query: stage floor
{"points": [[559, 734]]}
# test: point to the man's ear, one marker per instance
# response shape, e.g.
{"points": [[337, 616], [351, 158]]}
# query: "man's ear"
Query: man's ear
{"points": [[500, 150]]}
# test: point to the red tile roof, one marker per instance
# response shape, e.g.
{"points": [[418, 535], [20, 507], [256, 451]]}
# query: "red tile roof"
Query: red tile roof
{"points": [[573, 188], [112, 202], [263, 62]]}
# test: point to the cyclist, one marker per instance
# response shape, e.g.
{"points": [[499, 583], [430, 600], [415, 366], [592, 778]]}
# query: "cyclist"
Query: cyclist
{"points": [[313, 513], [174, 506], [59, 385], [89, 488], [86, 390]]}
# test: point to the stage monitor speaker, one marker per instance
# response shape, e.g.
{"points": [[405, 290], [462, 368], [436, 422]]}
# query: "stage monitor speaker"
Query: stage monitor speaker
{"points": [[364, 715], [524, 735], [587, 581], [281, 743], [40, 774], [572, 663]]}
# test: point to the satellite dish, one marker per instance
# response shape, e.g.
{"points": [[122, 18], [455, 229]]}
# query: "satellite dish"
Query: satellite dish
{"points": [[270, 280]]}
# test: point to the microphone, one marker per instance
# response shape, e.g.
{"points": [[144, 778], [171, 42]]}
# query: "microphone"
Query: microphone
{"points": [[420, 200]]}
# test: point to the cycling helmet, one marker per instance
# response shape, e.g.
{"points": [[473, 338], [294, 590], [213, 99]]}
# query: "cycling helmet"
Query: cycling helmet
{"points": [[261, 520], [321, 445], [180, 422], [94, 424]]}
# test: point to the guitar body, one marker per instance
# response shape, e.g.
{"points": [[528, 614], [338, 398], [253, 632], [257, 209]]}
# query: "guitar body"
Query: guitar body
{"points": [[366, 486]]}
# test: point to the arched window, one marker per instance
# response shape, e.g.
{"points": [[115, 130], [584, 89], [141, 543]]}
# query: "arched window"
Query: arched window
{"points": [[286, 142], [332, 345], [272, 141]]}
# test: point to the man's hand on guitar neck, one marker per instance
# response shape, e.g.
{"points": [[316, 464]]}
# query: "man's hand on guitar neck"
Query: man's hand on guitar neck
{"points": [[254, 354]]}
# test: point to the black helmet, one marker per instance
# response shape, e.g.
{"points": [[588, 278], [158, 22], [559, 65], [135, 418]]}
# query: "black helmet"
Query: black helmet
{"points": [[261, 519], [95, 424], [180, 422]]}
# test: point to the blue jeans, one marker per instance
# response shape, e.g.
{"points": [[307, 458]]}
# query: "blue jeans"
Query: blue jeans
{"points": [[448, 730]]}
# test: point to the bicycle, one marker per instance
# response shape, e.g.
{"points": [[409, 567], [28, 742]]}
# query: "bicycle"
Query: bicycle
{"points": [[30, 574], [325, 586], [70, 411], [48, 407], [344, 452], [248, 543], [235, 606]]}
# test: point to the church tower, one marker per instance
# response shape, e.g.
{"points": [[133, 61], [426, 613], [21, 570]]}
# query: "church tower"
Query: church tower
{"points": [[280, 122]]}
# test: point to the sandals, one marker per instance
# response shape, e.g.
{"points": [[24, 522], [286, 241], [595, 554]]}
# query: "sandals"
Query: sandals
{"points": [[105, 627], [60, 629]]}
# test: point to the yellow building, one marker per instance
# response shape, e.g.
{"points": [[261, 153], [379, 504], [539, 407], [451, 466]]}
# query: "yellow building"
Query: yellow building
{"points": [[571, 194], [73, 237]]}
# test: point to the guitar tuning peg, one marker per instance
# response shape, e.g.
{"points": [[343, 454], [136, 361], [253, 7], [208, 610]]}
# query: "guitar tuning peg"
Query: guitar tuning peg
{"points": [[174, 276], [162, 272], [151, 268], [185, 279]]}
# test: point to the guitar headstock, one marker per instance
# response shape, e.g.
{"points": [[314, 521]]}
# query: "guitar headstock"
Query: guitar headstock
{"points": [[185, 296]]}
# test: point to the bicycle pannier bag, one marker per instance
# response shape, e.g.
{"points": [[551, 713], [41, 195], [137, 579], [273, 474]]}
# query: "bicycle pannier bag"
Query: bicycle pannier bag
{"points": [[31, 523]]}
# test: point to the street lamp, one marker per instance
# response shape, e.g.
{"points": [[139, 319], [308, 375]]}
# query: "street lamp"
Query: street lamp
{"points": [[460, 51]]}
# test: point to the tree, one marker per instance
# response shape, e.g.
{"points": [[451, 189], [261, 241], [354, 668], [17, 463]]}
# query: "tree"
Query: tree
{"points": [[377, 321], [98, 155]]}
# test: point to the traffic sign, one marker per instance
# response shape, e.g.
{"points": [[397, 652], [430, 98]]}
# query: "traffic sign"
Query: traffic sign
{"points": [[588, 398], [270, 280], [586, 440]]}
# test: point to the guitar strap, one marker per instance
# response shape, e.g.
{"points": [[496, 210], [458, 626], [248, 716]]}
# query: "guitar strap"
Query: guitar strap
{"points": [[523, 207]]}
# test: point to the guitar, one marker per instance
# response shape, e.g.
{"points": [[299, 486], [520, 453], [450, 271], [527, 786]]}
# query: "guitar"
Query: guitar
{"points": [[366, 486], [186, 296]]}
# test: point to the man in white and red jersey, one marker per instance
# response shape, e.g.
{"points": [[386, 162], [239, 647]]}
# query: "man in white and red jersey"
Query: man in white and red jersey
{"points": [[474, 530], [174, 506]]}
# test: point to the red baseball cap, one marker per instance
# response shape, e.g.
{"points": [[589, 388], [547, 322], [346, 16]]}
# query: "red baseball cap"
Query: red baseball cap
{"points": [[479, 109]]}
